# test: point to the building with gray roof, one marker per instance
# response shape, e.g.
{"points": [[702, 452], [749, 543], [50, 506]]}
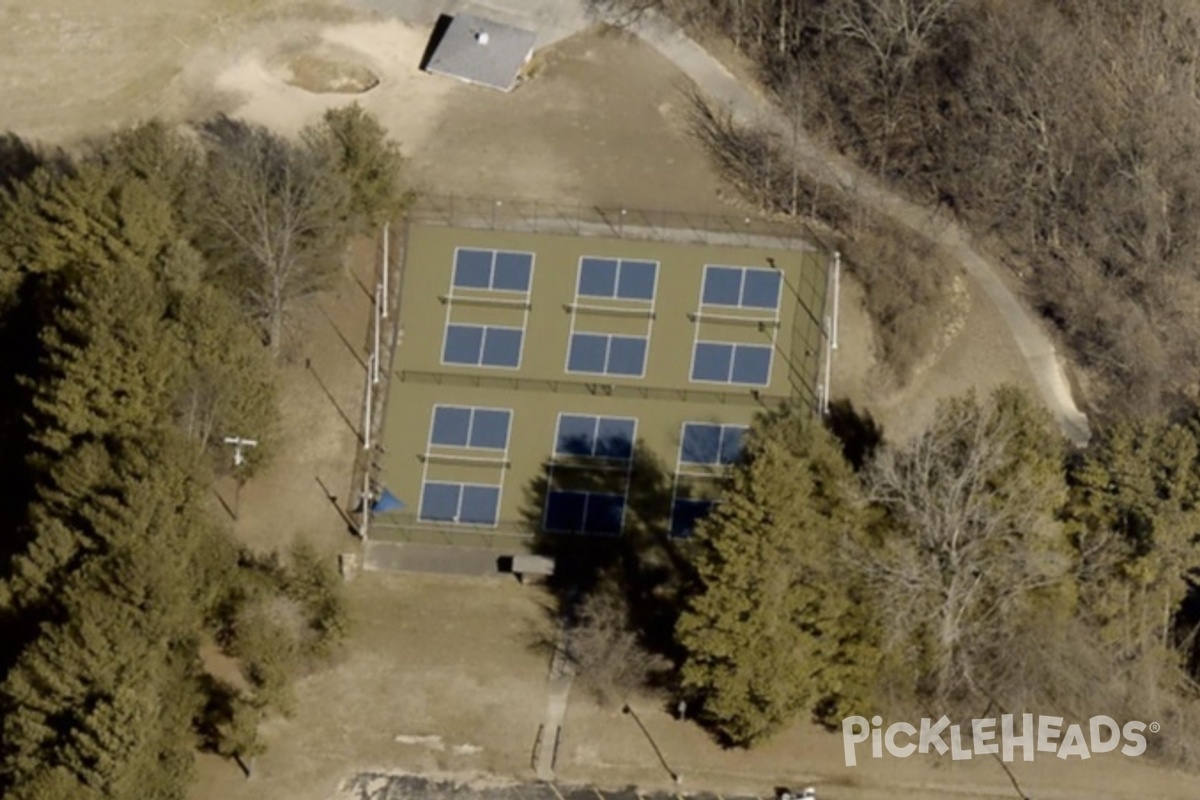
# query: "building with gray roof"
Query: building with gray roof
{"points": [[480, 51]]}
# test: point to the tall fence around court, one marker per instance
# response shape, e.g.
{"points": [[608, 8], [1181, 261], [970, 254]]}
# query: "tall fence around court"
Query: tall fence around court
{"points": [[385, 334], [534, 216], [531, 216]]}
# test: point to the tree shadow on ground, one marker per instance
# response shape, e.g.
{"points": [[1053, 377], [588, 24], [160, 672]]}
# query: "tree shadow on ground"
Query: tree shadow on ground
{"points": [[19, 160], [647, 566], [858, 432]]}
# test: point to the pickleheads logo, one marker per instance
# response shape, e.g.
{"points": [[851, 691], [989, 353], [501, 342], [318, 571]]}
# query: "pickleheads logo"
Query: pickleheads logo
{"points": [[989, 737]]}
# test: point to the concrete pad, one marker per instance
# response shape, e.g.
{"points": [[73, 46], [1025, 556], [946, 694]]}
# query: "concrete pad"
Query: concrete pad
{"points": [[431, 558]]}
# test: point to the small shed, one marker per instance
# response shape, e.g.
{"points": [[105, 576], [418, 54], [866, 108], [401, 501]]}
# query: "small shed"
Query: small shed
{"points": [[480, 51]]}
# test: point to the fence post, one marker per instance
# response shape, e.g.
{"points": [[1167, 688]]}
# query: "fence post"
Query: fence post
{"points": [[385, 270], [837, 284]]}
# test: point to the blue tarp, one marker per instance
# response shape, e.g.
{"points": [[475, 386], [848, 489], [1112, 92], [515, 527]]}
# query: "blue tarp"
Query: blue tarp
{"points": [[387, 502]]}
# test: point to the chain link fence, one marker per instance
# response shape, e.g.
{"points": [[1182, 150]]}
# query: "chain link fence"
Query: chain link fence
{"points": [[539, 216]]}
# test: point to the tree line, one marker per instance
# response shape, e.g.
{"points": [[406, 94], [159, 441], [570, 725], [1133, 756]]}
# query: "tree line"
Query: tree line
{"points": [[983, 567], [1061, 131], [147, 285]]}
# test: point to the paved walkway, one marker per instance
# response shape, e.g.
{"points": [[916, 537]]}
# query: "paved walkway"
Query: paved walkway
{"points": [[383, 556], [562, 675]]}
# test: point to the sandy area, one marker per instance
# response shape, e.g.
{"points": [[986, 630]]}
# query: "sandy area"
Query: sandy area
{"points": [[254, 85]]}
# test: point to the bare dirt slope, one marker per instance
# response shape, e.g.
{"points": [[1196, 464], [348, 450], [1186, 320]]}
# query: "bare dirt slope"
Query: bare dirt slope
{"points": [[1035, 346]]}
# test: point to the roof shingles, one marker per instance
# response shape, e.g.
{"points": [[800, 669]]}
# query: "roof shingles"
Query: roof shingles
{"points": [[477, 50]]}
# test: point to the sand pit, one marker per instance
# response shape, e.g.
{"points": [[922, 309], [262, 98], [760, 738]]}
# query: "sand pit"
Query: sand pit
{"points": [[290, 84], [324, 72]]}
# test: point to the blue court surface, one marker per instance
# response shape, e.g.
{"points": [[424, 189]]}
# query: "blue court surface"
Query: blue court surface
{"points": [[469, 426], [741, 287], [588, 440], [710, 444], [494, 270], [607, 354], [686, 513], [596, 437], [461, 503], [617, 279], [725, 362], [483, 346]]}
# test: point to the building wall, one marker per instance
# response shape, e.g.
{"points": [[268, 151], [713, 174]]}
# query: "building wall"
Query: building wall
{"points": [[539, 386]]}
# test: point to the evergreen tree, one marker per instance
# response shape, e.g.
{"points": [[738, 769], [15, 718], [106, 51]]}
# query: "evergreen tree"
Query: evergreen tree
{"points": [[227, 384], [106, 692], [368, 161], [773, 627], [1134, 521], [105, 368], [87, 214], [115, 567], [166, 160]]}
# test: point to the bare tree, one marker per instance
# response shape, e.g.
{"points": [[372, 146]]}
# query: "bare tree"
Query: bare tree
{"points": [[605, 648], [276, 218], [896, 32], [895, 35], [967, 542]]}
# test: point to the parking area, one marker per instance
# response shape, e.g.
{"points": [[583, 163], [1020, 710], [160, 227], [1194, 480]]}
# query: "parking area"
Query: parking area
{"points": [[374, 786]]}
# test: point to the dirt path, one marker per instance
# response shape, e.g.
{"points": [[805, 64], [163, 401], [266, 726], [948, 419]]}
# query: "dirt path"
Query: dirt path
{"points": [[1035, 345]]}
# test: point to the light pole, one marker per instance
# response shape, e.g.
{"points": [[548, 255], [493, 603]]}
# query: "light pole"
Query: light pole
{"points": [[239, 458], [239, 444]]}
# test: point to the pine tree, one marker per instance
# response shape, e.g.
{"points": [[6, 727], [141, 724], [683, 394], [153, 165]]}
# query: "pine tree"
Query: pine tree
{"points": [[165, 160], [772, 629], [367, 160], [116, 568], [86, 215], [106, 691], [1134, 520], [105, 371], [227, 384]]}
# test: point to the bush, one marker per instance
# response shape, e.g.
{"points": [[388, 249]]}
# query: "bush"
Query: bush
{"points": [[606, 650]]}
